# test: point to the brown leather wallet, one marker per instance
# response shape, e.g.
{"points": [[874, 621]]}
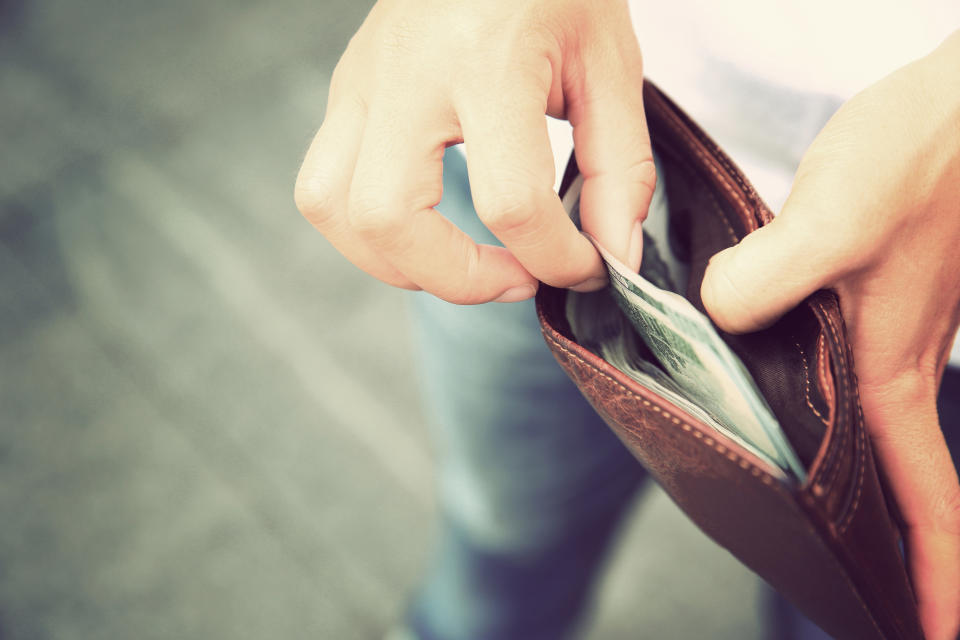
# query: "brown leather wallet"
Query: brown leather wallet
{"points": [[830, 545]]}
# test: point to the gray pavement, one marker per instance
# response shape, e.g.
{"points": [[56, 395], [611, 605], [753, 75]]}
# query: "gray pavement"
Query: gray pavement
{"points": [[209, 420]]}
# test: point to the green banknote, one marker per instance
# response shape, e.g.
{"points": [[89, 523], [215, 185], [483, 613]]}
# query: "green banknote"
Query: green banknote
{"points": [[643, 328], [699, 364]]}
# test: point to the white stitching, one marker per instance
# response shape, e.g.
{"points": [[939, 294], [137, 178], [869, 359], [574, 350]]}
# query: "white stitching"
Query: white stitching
{"points": [[754, 471], [765, 477], [806, 385], [676, 126], [861, 441]]}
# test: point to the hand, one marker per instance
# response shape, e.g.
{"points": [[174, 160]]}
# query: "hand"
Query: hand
{"points": [[421, 75], [875, 206]]}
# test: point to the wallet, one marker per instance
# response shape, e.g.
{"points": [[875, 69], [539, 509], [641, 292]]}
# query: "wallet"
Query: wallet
{"points": [[830, 543]]}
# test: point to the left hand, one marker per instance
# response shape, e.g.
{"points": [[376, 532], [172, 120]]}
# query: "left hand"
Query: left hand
{"points": [[420, 75], [875, 208]]}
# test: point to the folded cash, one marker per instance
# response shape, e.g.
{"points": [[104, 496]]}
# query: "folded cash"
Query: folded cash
{"points": [[662, 341], [600, 326], [699, 364]]}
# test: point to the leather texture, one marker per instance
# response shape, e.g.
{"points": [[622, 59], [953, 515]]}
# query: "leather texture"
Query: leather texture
{"points": [[830, 545]]}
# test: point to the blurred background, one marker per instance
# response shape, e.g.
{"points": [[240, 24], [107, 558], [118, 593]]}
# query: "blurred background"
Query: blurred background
{"points": [[211, 425]]}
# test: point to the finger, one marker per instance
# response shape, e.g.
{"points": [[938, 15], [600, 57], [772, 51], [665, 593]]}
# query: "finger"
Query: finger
{"points": [[323, 185], [396, 184], [748, 286], [612, 144], [511, 178], [814, 241], [902, 420]]}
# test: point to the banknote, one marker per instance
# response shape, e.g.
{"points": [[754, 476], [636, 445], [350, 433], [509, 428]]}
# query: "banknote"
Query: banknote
{"points": [[599, 325], [643, 327], [700, 364]]}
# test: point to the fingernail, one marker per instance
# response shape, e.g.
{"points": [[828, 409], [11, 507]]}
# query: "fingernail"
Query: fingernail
{"points": [[516, 294], [635, 252], [593, 284]]}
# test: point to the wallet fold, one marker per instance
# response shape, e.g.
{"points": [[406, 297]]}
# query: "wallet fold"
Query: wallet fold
{"points": [[829, 545]]}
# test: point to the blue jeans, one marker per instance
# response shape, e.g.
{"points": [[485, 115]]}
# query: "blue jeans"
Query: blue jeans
{"points": [[532, 483]]}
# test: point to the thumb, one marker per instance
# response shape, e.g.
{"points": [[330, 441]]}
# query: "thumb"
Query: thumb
{"points": [[748, 286], [751, 284], [816, 238], [604, 100]]}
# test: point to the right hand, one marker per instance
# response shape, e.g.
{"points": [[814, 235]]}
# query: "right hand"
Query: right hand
{"points": [[420, 75], [873, 215]]}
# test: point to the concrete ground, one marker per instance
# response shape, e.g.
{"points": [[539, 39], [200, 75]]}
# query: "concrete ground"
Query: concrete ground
{"points": [[207, 430]]}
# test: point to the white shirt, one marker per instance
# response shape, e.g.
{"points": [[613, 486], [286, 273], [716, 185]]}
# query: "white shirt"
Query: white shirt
{"points": [[762, 77]]}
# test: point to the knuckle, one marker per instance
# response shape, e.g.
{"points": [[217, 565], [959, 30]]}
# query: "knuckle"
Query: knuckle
{"points": [[464, 289], [507, 210], [374, 215], [314, 198], [341, 76], [461, 286], [643, 174]]}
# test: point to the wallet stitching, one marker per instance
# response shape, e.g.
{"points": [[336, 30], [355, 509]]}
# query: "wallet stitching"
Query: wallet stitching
{"points": [[713, 200], [672, 122], [719, 155], [723, 216], [726, 222], [861, 440], [822, 371], [743, 463], [806, 385], [845, 436], [841, 445], [861, 437], [861, 444], [829, 470]]}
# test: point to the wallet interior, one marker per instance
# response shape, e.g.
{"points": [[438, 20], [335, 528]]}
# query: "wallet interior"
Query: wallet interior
{"points": [[830, 543], [789, 360]]}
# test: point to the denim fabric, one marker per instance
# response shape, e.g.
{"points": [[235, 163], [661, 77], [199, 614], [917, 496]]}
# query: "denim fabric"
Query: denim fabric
{"points": [[531, 482]]}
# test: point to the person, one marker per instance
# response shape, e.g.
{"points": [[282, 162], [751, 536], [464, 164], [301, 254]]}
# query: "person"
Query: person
{"points": [[531, 483]]}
